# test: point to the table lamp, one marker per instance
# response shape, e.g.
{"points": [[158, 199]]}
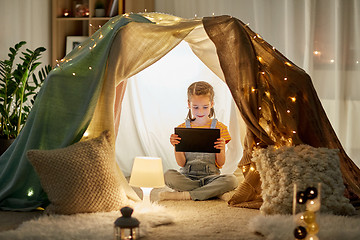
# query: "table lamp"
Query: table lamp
{"points": [[147, 173]]}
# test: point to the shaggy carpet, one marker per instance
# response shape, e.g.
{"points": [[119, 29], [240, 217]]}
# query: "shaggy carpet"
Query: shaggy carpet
{"points": [[191, 220], [171, 220], [91, 226], [281, 227]]}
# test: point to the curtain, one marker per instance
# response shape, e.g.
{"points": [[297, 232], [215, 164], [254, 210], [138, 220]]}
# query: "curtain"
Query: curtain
{"points": [[25, 20], [320, 36], [155, 102]]}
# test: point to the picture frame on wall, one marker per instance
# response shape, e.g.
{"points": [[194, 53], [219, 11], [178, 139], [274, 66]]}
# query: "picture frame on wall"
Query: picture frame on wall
{"points": [[73, 41]]}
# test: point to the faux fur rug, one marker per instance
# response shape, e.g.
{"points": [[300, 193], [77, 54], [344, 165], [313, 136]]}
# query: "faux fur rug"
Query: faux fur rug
{"points": [[281, 227], [86, 226]]}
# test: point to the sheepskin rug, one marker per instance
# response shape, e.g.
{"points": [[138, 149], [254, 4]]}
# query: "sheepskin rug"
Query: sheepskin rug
{"points": [[281, 227], [90, 226]]}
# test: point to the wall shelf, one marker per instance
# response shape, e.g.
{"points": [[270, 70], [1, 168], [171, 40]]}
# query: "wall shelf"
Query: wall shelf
{"points": [[81, 26]]}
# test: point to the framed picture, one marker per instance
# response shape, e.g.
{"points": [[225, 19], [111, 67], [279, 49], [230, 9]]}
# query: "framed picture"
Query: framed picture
{"points": [[73, 41]]}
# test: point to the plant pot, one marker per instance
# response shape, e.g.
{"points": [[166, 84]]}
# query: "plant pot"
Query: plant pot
{"points": [[100, 12], [5, 144]]}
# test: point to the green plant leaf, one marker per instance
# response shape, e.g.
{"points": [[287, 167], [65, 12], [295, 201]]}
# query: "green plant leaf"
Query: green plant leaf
{"points": [[15, 89]]}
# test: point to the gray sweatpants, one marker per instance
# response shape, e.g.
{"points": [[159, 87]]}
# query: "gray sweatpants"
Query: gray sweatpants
{"points": [[200, 187]]}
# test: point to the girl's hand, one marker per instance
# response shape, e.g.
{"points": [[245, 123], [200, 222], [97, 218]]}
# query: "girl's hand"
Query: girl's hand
{"points": [[220, 144], [174, 139]]}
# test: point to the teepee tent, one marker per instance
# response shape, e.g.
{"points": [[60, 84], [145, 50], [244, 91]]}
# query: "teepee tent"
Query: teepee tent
{"points": [[276, 99]]}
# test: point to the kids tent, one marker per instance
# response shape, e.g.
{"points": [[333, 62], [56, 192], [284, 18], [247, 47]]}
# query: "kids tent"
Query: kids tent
{"points": [[276, 99]]}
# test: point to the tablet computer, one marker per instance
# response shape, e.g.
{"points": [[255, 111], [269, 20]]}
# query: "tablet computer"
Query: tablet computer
{"points": [[197, 140]]}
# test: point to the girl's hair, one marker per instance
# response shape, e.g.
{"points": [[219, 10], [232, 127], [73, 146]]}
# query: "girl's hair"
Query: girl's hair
{"points": [[201, 88]]}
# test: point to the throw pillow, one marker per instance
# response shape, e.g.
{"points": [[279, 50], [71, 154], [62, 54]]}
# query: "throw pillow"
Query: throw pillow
{"points": [[80, 178], [280, 168]]}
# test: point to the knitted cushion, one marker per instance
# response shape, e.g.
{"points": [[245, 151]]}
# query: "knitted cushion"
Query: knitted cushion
{"points": [[80, 178], [306, 166]]}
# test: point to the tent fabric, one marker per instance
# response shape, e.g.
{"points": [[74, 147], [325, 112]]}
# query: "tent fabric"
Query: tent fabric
{"points": [[79, 95], [275, 97]]}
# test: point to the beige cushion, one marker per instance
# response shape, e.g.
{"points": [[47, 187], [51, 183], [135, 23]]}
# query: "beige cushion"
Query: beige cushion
{"points": [[306, 166], [80, 178]]}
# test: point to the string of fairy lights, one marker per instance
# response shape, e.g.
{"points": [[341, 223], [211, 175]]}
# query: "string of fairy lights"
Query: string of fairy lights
{"points": [[97, 37], [263, 74]]}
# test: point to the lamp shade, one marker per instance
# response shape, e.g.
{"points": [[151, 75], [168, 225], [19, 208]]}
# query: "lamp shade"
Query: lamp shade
{"points": [[147, 172]]}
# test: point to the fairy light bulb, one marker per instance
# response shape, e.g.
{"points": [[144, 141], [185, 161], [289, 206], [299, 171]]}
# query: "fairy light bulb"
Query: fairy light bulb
{"points": [[288, 111], [300, 232], [90, 67], [312, 237], [73, 74], [301, 197], [30, 192], [289, 64], [309, 217], [312, 228], [293, 99], [311, 193], [313, 205], [285, 78]]}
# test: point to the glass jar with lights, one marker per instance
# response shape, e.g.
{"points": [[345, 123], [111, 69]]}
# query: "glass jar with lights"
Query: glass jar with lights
{"points": [[306, 225], [126, 227]]}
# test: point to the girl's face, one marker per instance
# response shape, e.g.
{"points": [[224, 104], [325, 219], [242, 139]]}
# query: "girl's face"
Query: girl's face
{"points": [[200, 106]]}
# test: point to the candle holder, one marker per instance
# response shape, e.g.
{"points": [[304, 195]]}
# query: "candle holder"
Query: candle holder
{"points": [[66, 12], [306, 225]]}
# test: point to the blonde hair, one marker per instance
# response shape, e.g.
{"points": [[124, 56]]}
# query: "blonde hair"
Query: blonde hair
{"points": [[204, 89]]}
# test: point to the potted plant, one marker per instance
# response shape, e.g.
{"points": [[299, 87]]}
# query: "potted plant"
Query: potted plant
{"points": [[17, 93], [99, 9]]}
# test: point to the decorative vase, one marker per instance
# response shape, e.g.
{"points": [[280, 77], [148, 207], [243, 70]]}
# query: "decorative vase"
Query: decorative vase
{"points": [[99, 12], [5, 144]]}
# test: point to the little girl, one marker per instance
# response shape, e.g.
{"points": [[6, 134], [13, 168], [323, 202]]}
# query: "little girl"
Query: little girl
{"points": [[199, 177]]}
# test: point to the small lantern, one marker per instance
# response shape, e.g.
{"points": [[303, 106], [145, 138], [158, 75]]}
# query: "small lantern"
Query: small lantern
{"points": [[126, 227]]}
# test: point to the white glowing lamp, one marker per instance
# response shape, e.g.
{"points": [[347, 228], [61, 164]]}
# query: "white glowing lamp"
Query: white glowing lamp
{"points": [[147, 173]]}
